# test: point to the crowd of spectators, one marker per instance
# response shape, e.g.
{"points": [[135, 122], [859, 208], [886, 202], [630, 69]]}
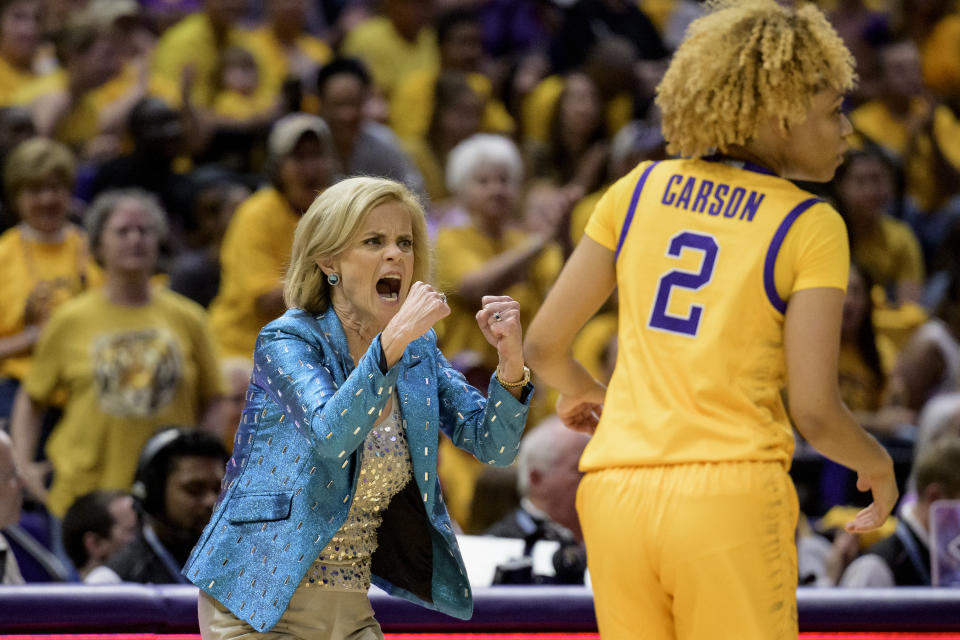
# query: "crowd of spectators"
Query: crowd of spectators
{"points": [[157, 156]]}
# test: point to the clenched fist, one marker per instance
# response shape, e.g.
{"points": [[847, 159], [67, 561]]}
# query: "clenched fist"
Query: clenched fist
{"points": [[499, 321], [423, 307]]}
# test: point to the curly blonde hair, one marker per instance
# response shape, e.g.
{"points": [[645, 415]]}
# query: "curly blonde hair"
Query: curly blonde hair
{"points": [[747, 60]]}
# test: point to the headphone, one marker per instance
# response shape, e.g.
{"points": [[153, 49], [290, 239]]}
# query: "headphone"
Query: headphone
{"points": [[149, 481]]}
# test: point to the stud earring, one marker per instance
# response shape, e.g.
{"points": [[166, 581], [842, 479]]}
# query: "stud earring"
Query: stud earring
{"points": [[333, 279]]}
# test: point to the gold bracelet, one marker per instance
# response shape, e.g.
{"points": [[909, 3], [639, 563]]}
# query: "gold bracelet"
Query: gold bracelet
{"points": [[522, 382]]}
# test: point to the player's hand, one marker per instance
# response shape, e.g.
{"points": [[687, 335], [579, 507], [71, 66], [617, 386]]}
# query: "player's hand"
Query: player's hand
{"points": [[883, 486], [582, 412]]}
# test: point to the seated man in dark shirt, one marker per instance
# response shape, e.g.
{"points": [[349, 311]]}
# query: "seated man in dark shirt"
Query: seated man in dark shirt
{"points": [[178, 481], [547, 481], [97, 525]]}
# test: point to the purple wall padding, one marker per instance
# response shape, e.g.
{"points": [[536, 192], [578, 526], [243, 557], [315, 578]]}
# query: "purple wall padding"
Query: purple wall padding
{"points": [[172, 609]]}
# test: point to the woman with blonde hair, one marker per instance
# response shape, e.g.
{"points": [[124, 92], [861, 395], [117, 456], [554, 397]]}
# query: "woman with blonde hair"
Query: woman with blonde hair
{"points": [[333, 480], [731, 283], [44, 260]]}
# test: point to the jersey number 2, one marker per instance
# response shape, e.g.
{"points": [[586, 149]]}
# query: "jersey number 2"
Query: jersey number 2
{"points": [[689, 325]]}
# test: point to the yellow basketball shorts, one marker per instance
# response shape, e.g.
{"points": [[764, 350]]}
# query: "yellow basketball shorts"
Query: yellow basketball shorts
{"points": [[692, 551]]}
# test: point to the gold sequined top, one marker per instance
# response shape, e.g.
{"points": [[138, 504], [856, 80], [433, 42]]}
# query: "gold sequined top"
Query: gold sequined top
{"points": [[385, 468]]}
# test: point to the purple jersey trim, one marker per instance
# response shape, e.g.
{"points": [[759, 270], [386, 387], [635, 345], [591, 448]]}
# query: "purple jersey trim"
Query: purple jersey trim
{"points": [[633, 207], [774, 249]]}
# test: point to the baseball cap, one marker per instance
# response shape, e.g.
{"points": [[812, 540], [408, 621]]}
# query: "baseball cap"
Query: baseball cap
{"points": [[288, 130]]}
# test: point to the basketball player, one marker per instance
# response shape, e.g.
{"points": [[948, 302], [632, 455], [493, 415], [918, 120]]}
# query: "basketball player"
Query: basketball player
{"points": [[731, 283]]}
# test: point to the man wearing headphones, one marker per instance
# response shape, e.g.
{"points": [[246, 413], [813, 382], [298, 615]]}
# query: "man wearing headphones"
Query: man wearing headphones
{"points": [[177, 483], [547, 481]]}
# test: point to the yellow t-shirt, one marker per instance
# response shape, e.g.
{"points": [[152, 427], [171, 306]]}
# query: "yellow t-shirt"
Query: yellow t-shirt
{"points": [[82, 123], [157, 86], [35, 278], [946, 131], [897, 324], [411, 106], [461, 251], [253, 260], [659, 12], [430, 167], [876, 6], [389, 56], [192, 42], [537, 109], [891, 254], [708, 255], [581, 213], [232, 104], [127, 371], [920, 166], [940, 57], [12, 80], [274, 59], [875, 122], [593, 345], [859, 387]]}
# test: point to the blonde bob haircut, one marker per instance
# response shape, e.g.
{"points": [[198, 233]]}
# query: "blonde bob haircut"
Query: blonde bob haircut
{"points": [[328, 227], [35, 161], [743, 62]]}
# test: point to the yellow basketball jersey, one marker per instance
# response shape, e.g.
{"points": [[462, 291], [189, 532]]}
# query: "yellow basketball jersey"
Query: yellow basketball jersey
{"points": [[708, 253]]}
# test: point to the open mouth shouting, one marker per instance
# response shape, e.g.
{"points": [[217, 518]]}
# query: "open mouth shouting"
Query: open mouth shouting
{"points": [[388, 287]]}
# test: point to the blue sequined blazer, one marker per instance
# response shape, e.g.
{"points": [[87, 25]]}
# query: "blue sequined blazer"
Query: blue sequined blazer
{"points": [[296, 458]]}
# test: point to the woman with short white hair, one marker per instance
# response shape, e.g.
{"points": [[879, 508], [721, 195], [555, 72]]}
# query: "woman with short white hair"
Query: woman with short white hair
{"points": [[483, 148], [489, 246]]}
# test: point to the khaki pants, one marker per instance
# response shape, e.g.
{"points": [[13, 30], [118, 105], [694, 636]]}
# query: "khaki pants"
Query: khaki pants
{"points": [[314, 614]]}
